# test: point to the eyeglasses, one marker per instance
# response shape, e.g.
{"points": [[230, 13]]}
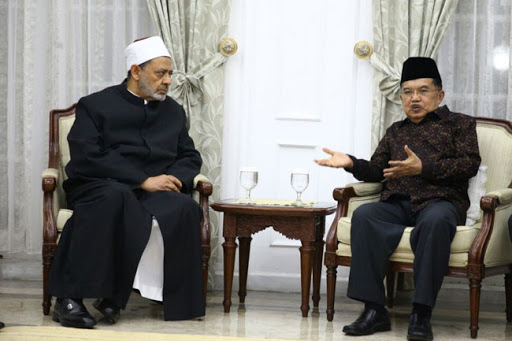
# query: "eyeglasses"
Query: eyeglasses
{"points": [[423, 92]]}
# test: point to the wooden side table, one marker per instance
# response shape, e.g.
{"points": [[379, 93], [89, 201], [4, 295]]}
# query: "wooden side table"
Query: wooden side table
{"points": [[306, 224]]}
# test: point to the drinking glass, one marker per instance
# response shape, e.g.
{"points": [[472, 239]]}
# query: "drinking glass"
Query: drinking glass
{"points": [[248, 180], [300, 181]]}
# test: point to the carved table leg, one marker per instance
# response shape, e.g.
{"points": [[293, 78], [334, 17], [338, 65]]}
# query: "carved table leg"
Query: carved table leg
{"points": [[317, 270], [243, 265], [305, 274], [229, 266]]}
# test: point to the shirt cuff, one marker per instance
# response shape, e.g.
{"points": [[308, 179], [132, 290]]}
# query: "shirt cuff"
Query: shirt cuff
{"points": [[354, 164]]}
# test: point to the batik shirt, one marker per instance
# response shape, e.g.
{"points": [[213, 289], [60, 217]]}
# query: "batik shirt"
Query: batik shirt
{"points": [[447, 145]]}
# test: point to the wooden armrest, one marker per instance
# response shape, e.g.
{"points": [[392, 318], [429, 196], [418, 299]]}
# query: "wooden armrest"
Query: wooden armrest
{"points": [[203, 185], [358, 189], [204, 188], [504, 196], [343, 195], [50, 173], [50, 176]]}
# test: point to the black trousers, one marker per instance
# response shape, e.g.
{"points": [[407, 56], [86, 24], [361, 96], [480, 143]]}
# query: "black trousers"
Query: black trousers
{"points": [[375, 233], [510, 227]]}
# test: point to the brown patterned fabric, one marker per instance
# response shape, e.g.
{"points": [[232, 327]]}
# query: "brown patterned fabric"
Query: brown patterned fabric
{"points": [[447, 145]]}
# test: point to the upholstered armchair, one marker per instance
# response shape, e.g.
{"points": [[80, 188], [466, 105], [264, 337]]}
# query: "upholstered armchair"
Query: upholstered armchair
{"points": [[479, 250], [55, 213]]}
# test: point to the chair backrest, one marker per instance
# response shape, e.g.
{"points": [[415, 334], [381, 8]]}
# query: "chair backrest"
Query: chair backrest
{"points": [[495, 143], [61, 121]]}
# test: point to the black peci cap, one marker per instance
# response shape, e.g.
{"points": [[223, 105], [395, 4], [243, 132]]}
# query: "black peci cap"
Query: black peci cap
{"points": [[419, 67]]}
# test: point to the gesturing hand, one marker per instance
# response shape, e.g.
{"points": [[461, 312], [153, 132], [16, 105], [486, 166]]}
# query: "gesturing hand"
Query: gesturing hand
{"points": [[161, 183], [336, 160], [409, 167]]}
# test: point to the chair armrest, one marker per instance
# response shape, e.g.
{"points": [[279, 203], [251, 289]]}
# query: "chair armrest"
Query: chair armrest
{"points": [[358, 189], [504, 196], [203, 185], [363, 189], [50, 178], [50, 173], [204, 188], [200, 177], [492, 245], [343, 195]]}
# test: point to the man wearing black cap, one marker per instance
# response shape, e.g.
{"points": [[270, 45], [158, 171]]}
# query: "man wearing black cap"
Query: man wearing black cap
{"points": [[424, 162]]}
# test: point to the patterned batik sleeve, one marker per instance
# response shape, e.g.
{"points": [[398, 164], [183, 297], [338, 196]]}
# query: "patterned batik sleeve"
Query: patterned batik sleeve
{"points": [[464, 164]]}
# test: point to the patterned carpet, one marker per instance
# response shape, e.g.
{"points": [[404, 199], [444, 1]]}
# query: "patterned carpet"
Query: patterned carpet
{"points": [[72, 334]]}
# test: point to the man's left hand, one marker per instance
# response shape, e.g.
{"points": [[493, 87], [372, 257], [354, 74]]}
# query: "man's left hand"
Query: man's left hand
{"points": [[409, 167]]}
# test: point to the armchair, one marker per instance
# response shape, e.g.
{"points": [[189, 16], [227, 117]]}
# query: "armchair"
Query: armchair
{"points": [[55, 213], [478, 251]]}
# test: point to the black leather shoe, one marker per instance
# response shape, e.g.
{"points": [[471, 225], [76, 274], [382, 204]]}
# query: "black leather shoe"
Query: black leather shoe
{"points": [[419, 328], [72, 313], [369, 322], [108, 309], [2, 325]]}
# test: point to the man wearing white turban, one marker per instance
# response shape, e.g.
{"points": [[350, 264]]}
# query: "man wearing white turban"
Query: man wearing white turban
{"points": [[129, 181]]}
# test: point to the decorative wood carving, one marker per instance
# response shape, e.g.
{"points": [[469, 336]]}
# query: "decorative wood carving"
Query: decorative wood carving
{"points": [[295, 223]]}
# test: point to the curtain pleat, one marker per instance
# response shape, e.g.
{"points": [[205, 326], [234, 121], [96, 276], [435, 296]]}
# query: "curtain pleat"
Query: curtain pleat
{"points": [[402, 29], [54, 52], [192, 31]]}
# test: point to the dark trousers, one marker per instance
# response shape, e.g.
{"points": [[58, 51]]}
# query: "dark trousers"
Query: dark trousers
{"points": [[375, 233], [510, 227]]}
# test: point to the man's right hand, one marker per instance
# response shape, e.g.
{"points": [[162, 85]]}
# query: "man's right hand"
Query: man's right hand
{"points": [[337, 160], [162, 183]]}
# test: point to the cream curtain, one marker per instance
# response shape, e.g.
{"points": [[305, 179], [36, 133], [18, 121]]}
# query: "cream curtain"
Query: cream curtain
{"points": [[401, 29], [474, 59], [192, 30], [54, 52]]}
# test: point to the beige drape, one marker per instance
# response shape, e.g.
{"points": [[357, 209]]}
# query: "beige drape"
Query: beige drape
{"points": [[192, 30], [54, 52], [401, 29], [474, 59]]}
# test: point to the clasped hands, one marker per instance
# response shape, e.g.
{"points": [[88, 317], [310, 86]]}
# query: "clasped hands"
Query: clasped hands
{"points": [[408, 167], [162, 182]]}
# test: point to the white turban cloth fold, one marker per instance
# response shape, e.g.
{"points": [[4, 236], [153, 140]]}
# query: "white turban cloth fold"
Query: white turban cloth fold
{"points": [[145, 49]]}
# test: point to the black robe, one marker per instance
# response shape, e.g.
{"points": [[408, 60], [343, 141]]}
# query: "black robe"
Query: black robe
{"points": [[116, 143]]}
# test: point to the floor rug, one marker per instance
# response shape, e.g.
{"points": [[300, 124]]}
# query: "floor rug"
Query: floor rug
{"points": [[73, 334]]}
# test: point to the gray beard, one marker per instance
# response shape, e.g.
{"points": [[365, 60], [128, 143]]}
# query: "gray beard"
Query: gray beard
{"points": [[147, 91]]}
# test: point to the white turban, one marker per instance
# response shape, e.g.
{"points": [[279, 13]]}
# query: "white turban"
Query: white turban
{"points": [[145, 49]]}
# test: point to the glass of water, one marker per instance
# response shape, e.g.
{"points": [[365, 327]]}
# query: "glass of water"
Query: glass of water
{"points": [[299, 181], [248, 180]]}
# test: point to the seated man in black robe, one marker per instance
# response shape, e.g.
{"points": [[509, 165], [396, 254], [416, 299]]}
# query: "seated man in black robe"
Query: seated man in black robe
{"points": [[132, 164], [425, 162]]}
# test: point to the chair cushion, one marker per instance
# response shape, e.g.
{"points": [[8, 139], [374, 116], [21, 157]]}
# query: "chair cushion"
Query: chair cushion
{"points": [[476, 190], [65, 124], [62, 217], [460, 245]]}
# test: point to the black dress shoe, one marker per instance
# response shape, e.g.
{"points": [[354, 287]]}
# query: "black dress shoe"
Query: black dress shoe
{"points": [[419, 328], [2, 325], [72, 313], [108, 309], [369, 322]]}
